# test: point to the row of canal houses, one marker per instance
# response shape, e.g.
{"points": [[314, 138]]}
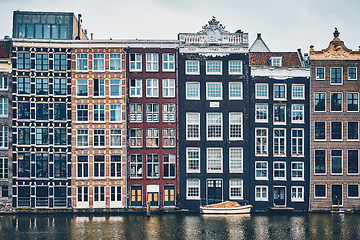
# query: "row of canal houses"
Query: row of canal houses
{"points": [[115, 124]]}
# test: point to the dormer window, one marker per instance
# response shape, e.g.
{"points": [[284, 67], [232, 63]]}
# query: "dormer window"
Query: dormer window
{"points": [[275, 61]]}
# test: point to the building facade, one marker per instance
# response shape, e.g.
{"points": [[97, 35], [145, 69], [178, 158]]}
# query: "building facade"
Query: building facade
{"points": [[152, 124], [335, 119], [214, 113]]}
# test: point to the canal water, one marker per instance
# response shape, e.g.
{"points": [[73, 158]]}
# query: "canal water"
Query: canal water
{"points": [[182, 226]]}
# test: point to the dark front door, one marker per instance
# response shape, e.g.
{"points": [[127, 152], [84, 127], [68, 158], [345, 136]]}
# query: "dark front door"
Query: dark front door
{"points": [[136, 192], [336, 195], [153, 197], [214, 190], [169, 196], [279, 196]]}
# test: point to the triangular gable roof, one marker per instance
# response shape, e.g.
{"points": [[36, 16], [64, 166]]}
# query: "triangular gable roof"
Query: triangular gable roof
{"points": [[259, 45]]}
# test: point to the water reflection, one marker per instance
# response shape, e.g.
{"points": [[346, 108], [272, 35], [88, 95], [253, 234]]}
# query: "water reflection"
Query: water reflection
{"points": [[179, 226]]}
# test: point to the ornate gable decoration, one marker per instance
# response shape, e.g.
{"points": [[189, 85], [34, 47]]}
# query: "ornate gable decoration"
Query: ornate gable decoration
{"points": [[213, 30], [335, 50]]}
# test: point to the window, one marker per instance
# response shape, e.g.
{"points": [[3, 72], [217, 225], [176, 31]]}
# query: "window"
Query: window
{"points": [[297, 171], [336, 131], [23, 61], [279, 171], [136, 170], [279, 142], [320, 162], [235, 126], [60, 86], [261, 113], [24, 85], [235, 67], [319, 102], [235, 160], [136, 137], [169, 165], [214, 159], [193, 160], [59, 165], [115, 113], [353, 191], [320, 191], [214, 126], [297, 194], [135, 62], [82, 87], [152, 112], [4, 83], [115, 193], [261, 193], [352, 73], [192, 67], [115, 88], [115, 137], [353, 131], [23, 164], [82, 194], [297, 142], [99, 166], [99, 87], [42, 136], [60, 111], [99, 194], [152, 87], [213, 91], [42, 165], [279, 91], [261, 141], [115, 62], [99, 138], [297, 113], [168, 60], [152, 62], [4, 107], [235, 91], [353, 102], [298, 91], [55, 31], [193, 91], [320, 131], [214, 67], [152, 162], [152, 137], [23, 135], [60, 136], [81, 62], [99, 112], [235, 189], [98, 62], [4, 168], [336, 76], [168, 88], [42, 62], [168, 112], [4, 137], [261, 91], [82, 138], [279, 114], [60, 62], [82, 113], [353, 161], [192, 126], [135, 112], [336, 99], [63, 31], [336, 162], [135, 88], [275, 61], [320, 73], [115, 166], [23, 110], [169, 137], [42, 111], [193, 189]]}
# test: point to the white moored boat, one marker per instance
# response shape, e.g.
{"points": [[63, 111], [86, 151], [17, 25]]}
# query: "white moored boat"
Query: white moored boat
{"points": [[227, 207]]}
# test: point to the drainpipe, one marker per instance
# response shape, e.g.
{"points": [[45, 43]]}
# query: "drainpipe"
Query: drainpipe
{"points": [[126, 129], [79, 27]]}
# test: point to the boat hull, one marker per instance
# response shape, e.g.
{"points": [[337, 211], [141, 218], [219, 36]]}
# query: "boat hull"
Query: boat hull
{"points": [[233, 210]]}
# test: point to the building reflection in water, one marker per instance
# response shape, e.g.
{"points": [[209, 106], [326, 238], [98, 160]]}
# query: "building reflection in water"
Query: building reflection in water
{"points": [[297, 227], [261, 227]]}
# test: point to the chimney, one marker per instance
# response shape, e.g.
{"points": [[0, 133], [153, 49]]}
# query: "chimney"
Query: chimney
{"points": [[79, 27], [259, 35], [91, 36]]}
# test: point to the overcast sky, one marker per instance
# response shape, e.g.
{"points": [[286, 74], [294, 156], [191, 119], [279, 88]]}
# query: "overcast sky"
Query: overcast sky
{"points": [[285, 24]]}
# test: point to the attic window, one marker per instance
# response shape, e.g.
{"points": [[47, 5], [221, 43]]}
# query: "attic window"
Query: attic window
{"points": [[275, 61]]}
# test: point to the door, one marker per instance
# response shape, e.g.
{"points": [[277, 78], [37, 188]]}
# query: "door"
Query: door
{"points": [[136, 192], [214, 191], [279, 196], [153, 197], [169, 196], [336, 195]]}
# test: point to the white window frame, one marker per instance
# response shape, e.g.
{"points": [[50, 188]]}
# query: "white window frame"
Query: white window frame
{"points": [[169, 116], [324, 173], [115, 58], [135, 62], [342, 133], [262, 169], [114, 135], [136, 138], [135, 115], [193, 149], [100, 58], [295, 92], [342, 76], [77, 86], [297, 141], [266, 153], [213, 70], [96, 132], [297, 170], [279, 169], [170, 138], [213, 159], [320, 140], [136, 88], [358, 191], [278, 139], [236, 72], [188, 123], [238, 187], [342, 102], [196, 65], [114, 108], [81, 165], [168, 62], [234, 124], [81, 57], [276, 61], [4, 83], [258, 110], [187, 91], [297, 197], [208, 124], [261, 198], [168, 88], [195, 183], [342, 162], [99, 110], [208, 91], [152, 84], [347, 105], [115, 82], [236, 158], [325, 101], [4, 137], [4, 169], [241, 91], [4, 107], [82, 133], [316, 76], [258, 92], [347, 132], [152, 62], [285, 92], [317, 197], [294, 111], [352, 79], [152, 115], [278, 122], [153, 134]]}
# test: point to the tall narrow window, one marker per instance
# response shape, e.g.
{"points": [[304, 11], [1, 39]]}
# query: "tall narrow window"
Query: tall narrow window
{"points": [[319, 102], [136, 137], [99, 112], [214, 126], [115, 137], [261, 141], [152, 87], [82, 62], [279, 142], [236, 189], [297, 113], [353, 131], [4, 142], [135, 87], [42, 136], [60, 62], [320, 73], [136, 166], [297, 142], [115, 166], [99, 87], [4, 108], [23, 61], [152, 162], [99, 138], [24, 85], [336, 76], [168, 60], [82, 88], [135, 62], [152, 62], [320, 161], [152, 137], [115, 88], [135, 112], [336, 100], [152, 112], [4, 83], [82, 113], [98, 62], [279, 114], [169, 139], [82, 138], [193, 189], [60, 111], [42, 165], [42, 62], [99, 166], [352, 73], [115, 62], [279, 91], [60, 136], [235, 160], [320, 131], [235, 126], [353, 102], [115, 113], [42, 111], [336, 162], [214, 159], [60, 86], [168, 112], [261, 91], [353, 161], [192, 160], [168, 88], [336, 131], [192, 126], [169, 165]]}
